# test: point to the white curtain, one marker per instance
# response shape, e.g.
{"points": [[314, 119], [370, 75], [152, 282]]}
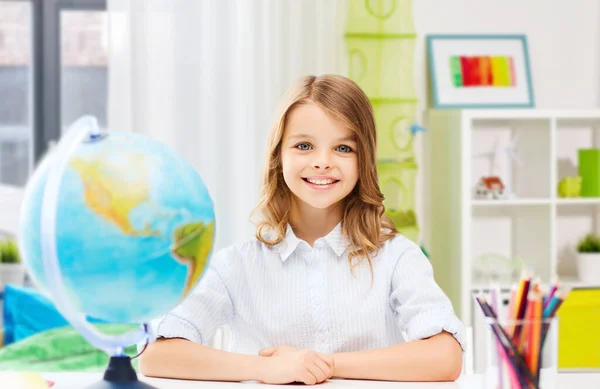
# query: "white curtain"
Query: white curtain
{"points": [[205, 76]]}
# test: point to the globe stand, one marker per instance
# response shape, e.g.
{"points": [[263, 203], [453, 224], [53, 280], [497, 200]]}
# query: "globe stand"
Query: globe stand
{"points": [[120, 375]]}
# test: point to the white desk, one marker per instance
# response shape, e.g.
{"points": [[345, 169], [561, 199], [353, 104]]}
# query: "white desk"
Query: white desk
{"points": [[475, 381]]}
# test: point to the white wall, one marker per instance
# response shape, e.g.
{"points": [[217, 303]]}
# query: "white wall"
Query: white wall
{"points": [[564, 48], [563, 37]]}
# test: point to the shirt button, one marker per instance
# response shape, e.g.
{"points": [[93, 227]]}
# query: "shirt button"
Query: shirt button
{"points": [[318, 301], [322, 337]]}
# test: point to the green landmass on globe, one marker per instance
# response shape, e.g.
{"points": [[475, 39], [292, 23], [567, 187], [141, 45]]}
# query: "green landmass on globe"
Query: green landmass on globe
{"points": [[111, 198], [193, 242], [106, 193], [134, 226]]}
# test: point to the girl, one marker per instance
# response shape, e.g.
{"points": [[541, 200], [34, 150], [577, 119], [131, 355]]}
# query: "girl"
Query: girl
{"points": [[328, 286]]}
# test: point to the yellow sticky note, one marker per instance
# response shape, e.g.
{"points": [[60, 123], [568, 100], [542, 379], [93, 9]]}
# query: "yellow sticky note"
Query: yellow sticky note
{"points": [[23, 381]]}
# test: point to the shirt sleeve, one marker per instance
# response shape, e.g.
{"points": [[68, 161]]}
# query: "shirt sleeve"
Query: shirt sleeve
{"points": [[422, 307], [207, 308]]}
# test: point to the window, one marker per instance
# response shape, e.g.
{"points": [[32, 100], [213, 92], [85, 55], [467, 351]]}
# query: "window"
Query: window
{"points": [[53, 70], [16, 99], [83, 70]]}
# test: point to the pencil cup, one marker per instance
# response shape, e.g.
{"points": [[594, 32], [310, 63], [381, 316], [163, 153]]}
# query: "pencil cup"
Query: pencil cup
{"points": [[521, 354]]}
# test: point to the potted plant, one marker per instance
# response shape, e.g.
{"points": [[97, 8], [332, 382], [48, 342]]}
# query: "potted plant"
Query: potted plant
{"points": [[12, 270], [589, 258]]}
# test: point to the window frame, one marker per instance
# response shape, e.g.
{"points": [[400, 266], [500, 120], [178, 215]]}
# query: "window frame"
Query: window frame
{"points": [[47, 68]]}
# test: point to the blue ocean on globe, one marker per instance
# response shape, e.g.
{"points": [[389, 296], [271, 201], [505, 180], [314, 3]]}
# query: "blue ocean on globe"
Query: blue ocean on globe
{"points": [[134, 228]]}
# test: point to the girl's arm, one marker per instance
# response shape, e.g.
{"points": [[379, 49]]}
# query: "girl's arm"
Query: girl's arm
{"points": [[438, 358], [183, 359]]}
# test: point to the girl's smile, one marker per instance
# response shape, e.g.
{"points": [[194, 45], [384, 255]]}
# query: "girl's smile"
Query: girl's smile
{"points": [[320, 182]]}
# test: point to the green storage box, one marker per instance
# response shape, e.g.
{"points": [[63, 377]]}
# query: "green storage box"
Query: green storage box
{"points": [[589, 171], [380, 17], [382, 67], [394, 137]]}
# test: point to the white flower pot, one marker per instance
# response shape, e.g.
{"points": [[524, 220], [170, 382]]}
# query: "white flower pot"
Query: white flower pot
{"points": [[589, 267], [11, 273]]}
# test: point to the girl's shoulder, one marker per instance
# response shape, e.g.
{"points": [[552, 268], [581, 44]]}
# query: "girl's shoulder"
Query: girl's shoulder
{"points": [[398, 246], [249, 249]]}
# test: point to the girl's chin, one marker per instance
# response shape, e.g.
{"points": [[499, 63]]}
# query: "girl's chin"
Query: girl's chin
{"points": [[320, 203]]}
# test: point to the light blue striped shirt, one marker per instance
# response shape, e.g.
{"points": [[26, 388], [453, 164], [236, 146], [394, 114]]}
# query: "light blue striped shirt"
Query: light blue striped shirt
{"points": [[295, 295]]}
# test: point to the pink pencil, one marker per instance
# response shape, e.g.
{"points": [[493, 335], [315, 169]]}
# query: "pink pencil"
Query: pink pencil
{"points": [[496, 305], [551, 292], [505, 364]]}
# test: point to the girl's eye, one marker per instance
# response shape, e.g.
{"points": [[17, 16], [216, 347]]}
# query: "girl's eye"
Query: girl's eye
{"points": [[303, 146], [344, 149]]}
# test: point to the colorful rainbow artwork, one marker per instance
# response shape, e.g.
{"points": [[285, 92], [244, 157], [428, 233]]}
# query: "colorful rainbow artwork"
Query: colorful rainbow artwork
{"points": [[482, 71]]}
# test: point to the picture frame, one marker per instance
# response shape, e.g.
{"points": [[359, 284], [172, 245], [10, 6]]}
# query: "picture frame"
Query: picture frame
{"points": [[479, 71]]}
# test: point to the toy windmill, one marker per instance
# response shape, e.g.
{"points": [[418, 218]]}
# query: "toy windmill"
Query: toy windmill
{"points": [[511, 156]]}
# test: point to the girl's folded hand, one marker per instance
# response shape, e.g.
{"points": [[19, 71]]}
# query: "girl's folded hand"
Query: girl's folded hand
{"points": [[284, 365]]}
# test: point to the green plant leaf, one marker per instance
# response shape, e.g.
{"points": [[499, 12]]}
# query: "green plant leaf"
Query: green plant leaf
{"points": [[589, 244], [9, 252]]}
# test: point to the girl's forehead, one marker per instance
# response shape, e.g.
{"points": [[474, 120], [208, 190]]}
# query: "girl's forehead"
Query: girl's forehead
{"points": [[310, 120]]}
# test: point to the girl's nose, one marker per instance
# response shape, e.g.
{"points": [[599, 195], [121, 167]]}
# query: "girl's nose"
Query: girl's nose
{"points": [[323, 161]]}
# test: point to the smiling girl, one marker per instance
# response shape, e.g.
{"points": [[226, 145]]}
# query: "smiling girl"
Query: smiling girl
{"points": [[328, 286]]}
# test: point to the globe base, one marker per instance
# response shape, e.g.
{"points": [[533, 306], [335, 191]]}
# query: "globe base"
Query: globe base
{"points": [[120, 375], [121, 385]]}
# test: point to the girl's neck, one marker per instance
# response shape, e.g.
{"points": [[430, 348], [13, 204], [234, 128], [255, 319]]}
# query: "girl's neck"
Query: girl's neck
{"points": [[310, 224]]}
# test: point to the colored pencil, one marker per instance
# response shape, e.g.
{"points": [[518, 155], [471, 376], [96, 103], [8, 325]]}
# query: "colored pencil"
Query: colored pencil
{"points": [[551, 292], [520, 344], [549, 314], [536, 331], [516, 359], [496, 305], [522, 304], [524, 327], [516, 299]]}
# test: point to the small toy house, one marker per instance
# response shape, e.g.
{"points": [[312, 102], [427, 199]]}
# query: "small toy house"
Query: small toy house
{"points": [[489, 188]]}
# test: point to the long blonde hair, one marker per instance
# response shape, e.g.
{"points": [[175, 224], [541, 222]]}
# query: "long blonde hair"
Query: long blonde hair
{"points": [[363, 216]]}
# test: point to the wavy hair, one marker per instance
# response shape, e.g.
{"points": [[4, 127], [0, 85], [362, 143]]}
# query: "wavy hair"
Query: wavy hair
{"points": [[364, 222]]}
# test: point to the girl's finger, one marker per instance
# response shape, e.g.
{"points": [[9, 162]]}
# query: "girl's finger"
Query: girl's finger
{"points": [[267, 352], [309, 378], [327, 359], [317, 372], [324, 368]]}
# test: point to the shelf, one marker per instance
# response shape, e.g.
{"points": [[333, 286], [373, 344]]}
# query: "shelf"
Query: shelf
{"points": [[576, 284], [530, 201], [511, 202], [579, 201], [506, 287], [473, 241]]}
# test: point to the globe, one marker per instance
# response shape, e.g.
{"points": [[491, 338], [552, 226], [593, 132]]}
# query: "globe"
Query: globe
{"points": [[115, 227]]}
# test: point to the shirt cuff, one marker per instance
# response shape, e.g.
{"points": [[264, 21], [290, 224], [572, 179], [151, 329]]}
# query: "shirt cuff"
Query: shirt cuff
{"points": [[174, 327], [430, 323]]}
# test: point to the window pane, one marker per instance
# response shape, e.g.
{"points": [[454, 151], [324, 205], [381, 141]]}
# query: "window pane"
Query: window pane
{"points": [[15, 91], [84, 58]]}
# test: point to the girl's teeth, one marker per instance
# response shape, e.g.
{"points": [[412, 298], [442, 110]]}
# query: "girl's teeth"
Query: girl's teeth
{"points": [[321, 182]]}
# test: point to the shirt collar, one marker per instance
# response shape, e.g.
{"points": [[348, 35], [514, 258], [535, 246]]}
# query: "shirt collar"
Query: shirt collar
{"points": [[335, 239]]}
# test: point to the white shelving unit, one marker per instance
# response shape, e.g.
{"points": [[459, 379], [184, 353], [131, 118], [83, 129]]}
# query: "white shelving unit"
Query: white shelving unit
{"points": [[536, 225]]}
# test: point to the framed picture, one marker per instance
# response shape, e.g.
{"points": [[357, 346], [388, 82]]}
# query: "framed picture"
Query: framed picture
{"points": [[479, 71]]}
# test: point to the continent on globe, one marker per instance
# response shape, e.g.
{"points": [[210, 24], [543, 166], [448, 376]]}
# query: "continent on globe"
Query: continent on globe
{"points": [[192, 245], [111, 194]]}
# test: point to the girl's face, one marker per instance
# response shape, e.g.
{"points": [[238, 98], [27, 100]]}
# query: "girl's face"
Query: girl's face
{"points": [[318, 156]]}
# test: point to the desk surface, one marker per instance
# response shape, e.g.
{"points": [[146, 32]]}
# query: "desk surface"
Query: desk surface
{"points": [[475, 381]]}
